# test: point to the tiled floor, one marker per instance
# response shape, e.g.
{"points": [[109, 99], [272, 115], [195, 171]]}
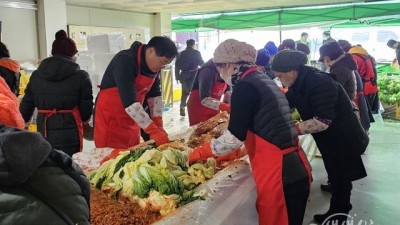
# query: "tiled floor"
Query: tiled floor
{"points": [[375, 199]]}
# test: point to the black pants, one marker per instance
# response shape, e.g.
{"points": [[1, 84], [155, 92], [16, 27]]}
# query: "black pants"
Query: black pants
{"points": [[186, 88], [296, 196]]}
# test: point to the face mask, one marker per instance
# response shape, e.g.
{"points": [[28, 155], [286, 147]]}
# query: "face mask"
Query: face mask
{"points": [[227, 73]]}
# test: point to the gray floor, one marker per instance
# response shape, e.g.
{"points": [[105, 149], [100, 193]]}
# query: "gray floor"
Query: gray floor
{"points": [[375, 199]]}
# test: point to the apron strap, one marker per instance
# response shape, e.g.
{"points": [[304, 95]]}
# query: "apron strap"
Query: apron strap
{"points": [[50, 112]]}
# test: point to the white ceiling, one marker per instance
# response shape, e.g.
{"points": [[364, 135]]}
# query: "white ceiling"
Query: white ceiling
{"points": [[197, 6]]}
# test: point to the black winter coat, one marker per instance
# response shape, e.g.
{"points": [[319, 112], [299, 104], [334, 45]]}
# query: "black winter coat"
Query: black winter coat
{"points": [[343, 73], [186, 63], [59, 84], [316, 94], [32, 173]]}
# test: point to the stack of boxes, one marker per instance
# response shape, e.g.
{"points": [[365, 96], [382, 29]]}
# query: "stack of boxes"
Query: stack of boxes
{"points": [[101, 49]]}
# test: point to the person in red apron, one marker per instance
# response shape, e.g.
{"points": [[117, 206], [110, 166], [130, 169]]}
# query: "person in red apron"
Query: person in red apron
{"points": [[327, 114], [62, 93], [260, 118], [131, 75], [205, 98]]}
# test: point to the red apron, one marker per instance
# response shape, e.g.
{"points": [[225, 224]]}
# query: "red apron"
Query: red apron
{"points": [[75, 113], [199, 113], [113, 127], [266, 161]]}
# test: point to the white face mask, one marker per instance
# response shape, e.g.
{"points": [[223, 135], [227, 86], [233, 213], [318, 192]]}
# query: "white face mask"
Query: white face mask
{"points": [[226, 73]]}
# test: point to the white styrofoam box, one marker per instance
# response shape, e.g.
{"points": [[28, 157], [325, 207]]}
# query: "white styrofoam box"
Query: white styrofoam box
{"points": [[101, 62], [106, 43], [85, 61], [94, 78]]}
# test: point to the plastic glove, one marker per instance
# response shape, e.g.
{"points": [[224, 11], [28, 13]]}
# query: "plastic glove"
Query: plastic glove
{"points": [[157, 134], [201, 153], [159, 122], [231, 156], [225, 107]]}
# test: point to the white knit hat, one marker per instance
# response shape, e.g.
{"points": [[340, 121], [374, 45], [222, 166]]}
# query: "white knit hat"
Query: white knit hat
{"points": [[233, 51]]}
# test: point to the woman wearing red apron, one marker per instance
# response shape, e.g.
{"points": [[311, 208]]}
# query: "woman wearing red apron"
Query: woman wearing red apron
{"points": [[260, 118], [205, 98], [131, 75], [62, 93]]}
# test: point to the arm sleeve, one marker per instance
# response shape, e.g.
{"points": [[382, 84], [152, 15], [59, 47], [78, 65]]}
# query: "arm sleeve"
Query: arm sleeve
{"points": [[200, 59], [206, 81], [244, 101], [86, 97], [177, 68], [323, 100], [27, 105], [313, 125], [225, 144], [124, 73]]}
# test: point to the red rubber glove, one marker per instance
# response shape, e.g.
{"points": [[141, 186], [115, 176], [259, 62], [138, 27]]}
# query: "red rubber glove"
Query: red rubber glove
{"points": [[159, 122], [201, 153], [157, 134], [231, 156], [225, 107]]}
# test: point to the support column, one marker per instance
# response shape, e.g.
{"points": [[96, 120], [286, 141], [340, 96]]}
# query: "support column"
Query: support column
{"points": [[162, 24], [52, 16]]}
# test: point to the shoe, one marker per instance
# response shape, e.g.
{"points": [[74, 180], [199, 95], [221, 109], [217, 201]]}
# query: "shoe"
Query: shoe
{"points": [[182, 111], [326, 187]]}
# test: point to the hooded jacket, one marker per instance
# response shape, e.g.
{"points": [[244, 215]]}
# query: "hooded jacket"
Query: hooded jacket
{"points": [[343, 71], [25, 165], [59, 84], [9, 70]]}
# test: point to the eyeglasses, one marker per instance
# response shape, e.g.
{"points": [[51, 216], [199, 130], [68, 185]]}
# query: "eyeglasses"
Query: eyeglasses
{"points": [[162, 62]]}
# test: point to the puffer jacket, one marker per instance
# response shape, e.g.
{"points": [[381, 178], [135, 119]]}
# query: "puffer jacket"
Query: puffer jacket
{"points": [[29, 168], [59, 84], [343, 71], [9, 70], [315, 94]]}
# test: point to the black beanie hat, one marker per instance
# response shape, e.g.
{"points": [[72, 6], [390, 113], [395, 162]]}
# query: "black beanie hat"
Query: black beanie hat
{"points": [[287, 60], [331, 49], [63, 45]]}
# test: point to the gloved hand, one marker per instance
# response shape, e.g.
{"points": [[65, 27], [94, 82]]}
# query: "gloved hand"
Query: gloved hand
{"points": [[201, 153], [159, 122], [231, 156], [88, 131], [225, 107], [157, 134]]}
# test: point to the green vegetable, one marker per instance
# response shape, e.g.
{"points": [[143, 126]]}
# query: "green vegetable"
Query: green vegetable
{"points": [[189, 196]]}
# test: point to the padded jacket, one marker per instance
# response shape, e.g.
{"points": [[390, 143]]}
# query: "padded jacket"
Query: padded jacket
{"points": [[59, 84], [29, 168]]}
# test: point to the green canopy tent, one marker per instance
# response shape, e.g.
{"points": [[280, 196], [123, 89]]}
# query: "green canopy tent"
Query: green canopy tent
{"points": [[351, 14]]}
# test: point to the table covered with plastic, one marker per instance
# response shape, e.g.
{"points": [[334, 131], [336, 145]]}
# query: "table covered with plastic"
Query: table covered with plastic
{"points": [[231, 193]]}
